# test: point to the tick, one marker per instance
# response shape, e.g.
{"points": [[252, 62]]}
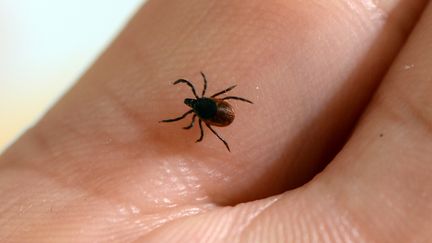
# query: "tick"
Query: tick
{"points": [[211, 110]]}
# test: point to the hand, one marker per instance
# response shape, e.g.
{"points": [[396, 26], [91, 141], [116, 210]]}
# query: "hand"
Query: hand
{"points": [[100, 168]]}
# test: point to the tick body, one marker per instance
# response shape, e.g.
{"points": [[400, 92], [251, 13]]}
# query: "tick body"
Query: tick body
{"points": [[211, 110]]}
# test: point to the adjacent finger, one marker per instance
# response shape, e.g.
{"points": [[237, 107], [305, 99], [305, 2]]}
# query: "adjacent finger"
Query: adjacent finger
{"points": [[382, 176]]}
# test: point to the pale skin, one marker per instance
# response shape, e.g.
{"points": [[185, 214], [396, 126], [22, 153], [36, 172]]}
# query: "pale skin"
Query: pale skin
{"points": [[100, 168]]}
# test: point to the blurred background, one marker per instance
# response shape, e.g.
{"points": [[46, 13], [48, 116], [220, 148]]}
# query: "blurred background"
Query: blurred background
{"points": [[45, 46]]}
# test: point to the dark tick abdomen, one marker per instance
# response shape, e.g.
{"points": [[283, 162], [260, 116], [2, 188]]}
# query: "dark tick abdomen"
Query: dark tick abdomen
{"points": [[224, 114], [205, 108]]}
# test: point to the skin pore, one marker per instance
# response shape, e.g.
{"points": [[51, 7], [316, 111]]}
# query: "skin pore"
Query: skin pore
{"points": [[339, 84]]}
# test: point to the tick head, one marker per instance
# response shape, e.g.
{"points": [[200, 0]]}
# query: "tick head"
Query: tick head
{"points": [[190, 102]]}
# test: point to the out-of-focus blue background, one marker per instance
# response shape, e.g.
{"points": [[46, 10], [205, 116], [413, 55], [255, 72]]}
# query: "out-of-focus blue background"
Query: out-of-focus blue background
{"points": [[45, 46]]}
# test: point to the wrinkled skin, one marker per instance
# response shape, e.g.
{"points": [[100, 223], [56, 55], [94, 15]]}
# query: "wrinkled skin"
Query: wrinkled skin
{"points": [[333, 86]]}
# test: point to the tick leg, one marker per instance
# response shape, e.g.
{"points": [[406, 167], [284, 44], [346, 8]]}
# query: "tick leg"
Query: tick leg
{"points": [[205, 84], [237, 98], [178, 118], [224, 91], [202, 132], [217, 135], [192, 123], [189, 84]]}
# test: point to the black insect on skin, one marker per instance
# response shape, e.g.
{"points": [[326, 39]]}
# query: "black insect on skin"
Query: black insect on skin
{"points": [[210, 110]]}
